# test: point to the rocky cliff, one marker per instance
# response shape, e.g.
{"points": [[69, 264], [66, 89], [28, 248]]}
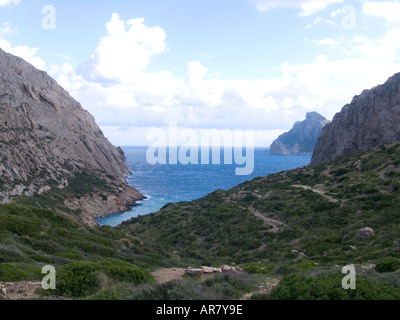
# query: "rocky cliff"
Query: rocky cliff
{"points": [[302, 138], [47, 138], [372, 119]]}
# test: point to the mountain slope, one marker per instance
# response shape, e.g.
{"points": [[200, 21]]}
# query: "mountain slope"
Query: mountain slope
{"points": [[312, 212], [372, 119], [311, 218], [301, 139], [47, 139]]}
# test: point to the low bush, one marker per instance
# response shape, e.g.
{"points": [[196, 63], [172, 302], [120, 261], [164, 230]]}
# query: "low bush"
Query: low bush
{"points": [[329, 287], [306, 265], [388, 265], [15, 271], [257, 268], [79, 279]]}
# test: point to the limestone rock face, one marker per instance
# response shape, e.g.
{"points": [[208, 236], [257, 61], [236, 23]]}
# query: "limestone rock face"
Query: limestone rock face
{"points": [[302, 138], [372, 119], [46, 136]]}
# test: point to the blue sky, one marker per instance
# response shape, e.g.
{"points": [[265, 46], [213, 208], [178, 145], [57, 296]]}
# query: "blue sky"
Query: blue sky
{"points": [[237, 64]]}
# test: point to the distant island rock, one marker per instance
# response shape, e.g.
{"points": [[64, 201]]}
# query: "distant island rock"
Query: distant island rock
{"points": [[371, 120], [48, 141], [302, 138]]}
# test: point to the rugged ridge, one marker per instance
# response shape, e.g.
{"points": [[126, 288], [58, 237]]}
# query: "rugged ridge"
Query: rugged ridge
{"points": [[301, 139], [372, 119], [46, 138]]}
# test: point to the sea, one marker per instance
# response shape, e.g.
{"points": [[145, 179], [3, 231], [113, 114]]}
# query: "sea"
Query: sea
{"points": [[166, 183]]}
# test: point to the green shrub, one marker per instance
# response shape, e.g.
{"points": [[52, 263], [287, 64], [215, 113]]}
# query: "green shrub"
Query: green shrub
{"points": [[230, 285], [259, 296], [257, 268], [40, 258], [69, 255], [175, 290], [9, 256], [388, 265], [329, 287], [339, 172], [306, 264], [15, 271], [220, 287], [286, 269], [123, 271], [79, 279], [117, 292]]}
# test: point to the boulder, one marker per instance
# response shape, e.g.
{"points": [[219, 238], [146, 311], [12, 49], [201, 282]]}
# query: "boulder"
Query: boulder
{"points": [[194, 271], [207, 270], [365, 233], [226, 268]]}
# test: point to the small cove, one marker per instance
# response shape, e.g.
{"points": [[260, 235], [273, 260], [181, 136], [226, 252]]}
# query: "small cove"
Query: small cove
{"points": [[162, 184]]}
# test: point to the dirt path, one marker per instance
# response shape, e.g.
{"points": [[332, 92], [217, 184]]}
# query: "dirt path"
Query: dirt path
{"points": [[318, 191], [275, 224], [19, 290], [166, 275]]}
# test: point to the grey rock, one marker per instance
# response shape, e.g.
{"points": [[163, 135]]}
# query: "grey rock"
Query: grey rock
{"points": [[46, 137], [371, 120], [194, 271], [207, 270], [365, 233], [301, 139], [226, 268]]}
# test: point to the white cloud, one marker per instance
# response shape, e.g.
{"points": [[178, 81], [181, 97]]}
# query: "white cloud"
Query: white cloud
{"points": [[389, 10], [338, 12], [385, 49], [7, 29], [204, 91], [308, 7], [125, 102], [136, 136], [24, 52], [326, 42], [314, 23], [4, 3], [127, 49], [204, 55]]}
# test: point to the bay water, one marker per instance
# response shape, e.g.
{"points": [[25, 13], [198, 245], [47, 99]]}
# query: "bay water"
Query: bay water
{"points": [[165, 183]]}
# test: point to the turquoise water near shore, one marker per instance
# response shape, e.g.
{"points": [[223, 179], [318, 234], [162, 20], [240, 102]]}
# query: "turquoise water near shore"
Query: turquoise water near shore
{"points": [[162, 184]]}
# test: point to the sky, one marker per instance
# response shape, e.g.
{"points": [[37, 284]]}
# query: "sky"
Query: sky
{"points": [[212, 64]]}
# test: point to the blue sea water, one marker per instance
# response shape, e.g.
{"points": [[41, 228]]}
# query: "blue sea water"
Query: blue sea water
{"points": [[162, 184]]}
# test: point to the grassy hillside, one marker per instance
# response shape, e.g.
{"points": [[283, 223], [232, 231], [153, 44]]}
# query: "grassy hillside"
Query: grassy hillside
{"points": [[302, 221], [314, 210], [84, 257], [297, 226]]}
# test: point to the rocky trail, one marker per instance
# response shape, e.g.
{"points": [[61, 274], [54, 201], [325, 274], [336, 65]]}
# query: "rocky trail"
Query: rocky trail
{"points": [[19, 290], [318, 191], [275, 224]]}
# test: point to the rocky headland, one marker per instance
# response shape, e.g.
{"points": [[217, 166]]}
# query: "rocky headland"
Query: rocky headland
{"points": [[48, 140], [301, 139], [372, 119]]}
